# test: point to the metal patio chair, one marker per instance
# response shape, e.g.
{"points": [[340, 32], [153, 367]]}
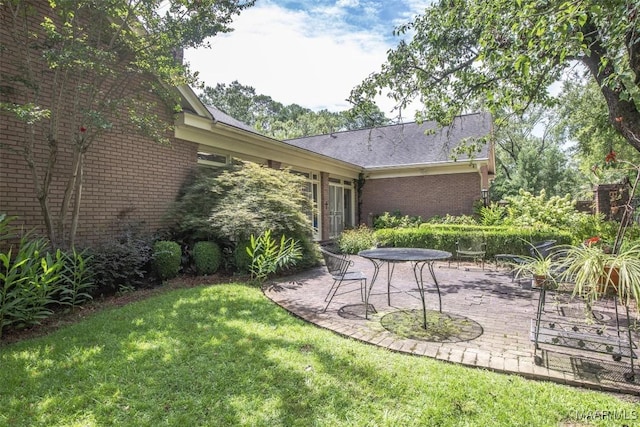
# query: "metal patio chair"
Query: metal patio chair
{"points": [[474, 248], [339, 266]]}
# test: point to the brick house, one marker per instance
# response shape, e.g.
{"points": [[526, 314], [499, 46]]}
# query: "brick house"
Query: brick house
{"points": [[129, 178], [356, 175]]}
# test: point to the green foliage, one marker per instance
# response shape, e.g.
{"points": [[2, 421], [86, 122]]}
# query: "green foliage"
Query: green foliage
{"points": [[167, 257], [504, 55], [111, 65], [76, 278], [121, 263], [30, 280], [527, 209], [268, 256], [529, 161], [33, 280], [207, 257], [396, 220], [493, 214], [255, 198], [503, 239], [286, 121], [356, 240], [453, 219], [241, 258], [244, 199]]}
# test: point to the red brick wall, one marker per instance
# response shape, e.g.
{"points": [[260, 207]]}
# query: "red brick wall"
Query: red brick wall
{"points": [[128, 177], [423, 196]]}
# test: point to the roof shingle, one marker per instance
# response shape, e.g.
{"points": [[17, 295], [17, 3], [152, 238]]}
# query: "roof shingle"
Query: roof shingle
{"points": [[401, 145]]}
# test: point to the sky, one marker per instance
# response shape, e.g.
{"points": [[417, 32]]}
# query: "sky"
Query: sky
{"points": [[306, 52]]}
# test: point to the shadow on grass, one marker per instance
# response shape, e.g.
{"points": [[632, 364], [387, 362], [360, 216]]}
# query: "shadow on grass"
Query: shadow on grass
{"points": [[221, 354]]}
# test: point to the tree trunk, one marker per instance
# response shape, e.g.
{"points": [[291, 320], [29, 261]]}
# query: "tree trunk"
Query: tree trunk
{"points": [[76, 203]]}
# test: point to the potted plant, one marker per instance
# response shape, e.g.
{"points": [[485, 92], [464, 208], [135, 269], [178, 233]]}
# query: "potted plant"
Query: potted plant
{"points": [[595, 271], [541, 268]]}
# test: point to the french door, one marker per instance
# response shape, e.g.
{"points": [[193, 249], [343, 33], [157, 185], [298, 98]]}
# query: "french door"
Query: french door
{"points": [[340, 207]]}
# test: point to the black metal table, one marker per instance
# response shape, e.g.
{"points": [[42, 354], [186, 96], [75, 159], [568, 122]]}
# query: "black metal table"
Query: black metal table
{"points": [[417, 257]]}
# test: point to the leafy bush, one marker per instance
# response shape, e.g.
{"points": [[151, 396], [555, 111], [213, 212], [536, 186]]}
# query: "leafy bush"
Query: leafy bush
{"points": [[492, 215], [122, 263], [512, 240], [396, 220], [268, 257], [76, 278], [529, 210], [167, 257], [241, 259], [30, 281], [453, 219], [356, 240], [233, 203], [207, 257]]}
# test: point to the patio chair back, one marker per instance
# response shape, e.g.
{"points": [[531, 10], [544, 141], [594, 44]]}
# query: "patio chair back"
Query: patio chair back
{"points": [[473, 248], [338, 265], [542, 249]]}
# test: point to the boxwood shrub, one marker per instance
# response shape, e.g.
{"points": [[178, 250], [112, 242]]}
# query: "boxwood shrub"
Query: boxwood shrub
{"points": [[509, 240], [167, 257], [207, 257]]}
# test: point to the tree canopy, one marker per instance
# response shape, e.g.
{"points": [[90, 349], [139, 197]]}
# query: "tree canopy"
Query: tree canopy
{"points": [[281, 121], [532, 162], [507, 53], [110, 64]]}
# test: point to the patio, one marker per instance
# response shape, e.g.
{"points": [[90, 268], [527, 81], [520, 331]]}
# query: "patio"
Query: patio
{"points": [[489, 322]]}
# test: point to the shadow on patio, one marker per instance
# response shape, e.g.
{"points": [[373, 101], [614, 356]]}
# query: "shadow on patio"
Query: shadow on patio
{"points": [[501, 308]]}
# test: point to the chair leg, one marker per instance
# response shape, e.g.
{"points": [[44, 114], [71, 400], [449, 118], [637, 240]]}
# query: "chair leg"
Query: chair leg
{"points": [[330, 290], [334, 288]]}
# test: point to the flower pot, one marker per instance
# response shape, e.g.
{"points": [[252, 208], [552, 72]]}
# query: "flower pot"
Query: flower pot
{"points": [[542, 281], [608, 283]]}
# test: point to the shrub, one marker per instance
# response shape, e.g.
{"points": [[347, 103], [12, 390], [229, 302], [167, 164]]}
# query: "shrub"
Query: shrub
{"points": [[30, 281], [167, 257], [453, 219], [356, 240], [268, 256], [122, 263], [396, 220], [76, 278], [233, 203], [207, 257], [512, 240], [241, 259]]}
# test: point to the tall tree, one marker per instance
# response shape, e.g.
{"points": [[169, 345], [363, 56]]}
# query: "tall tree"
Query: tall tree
{"points": [[82, 67], [529, 157], [287, 121], [582, 114], [508, 53]]}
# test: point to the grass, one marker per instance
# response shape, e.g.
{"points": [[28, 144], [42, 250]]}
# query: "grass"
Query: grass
{"points": [[226, 356]]}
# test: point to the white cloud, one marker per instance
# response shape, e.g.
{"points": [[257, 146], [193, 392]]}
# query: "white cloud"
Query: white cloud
{"points": [[282, 53], [312, 58]]}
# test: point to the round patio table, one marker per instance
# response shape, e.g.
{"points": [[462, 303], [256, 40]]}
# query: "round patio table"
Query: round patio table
{"points": [[418, 258]]}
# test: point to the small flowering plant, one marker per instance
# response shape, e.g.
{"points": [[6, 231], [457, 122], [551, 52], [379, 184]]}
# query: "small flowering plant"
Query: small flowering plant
{"points": [[598, 267], [599, 243]]}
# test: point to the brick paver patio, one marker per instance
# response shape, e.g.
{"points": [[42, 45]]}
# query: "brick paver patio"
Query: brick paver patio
{"points": [[502, 308]]}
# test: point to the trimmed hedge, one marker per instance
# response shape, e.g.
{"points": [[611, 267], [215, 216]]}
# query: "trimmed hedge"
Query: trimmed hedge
{"points": [[499, 240]]}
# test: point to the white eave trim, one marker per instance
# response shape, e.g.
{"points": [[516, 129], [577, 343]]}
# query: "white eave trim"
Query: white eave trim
{"points": [[421, 169], [241, 142]]}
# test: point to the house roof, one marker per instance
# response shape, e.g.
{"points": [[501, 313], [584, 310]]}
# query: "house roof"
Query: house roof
{"points": [[222, 117], [403, 144]]}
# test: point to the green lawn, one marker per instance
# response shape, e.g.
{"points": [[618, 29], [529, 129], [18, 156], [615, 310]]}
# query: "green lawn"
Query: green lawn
{"points": [[226, 356]]}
